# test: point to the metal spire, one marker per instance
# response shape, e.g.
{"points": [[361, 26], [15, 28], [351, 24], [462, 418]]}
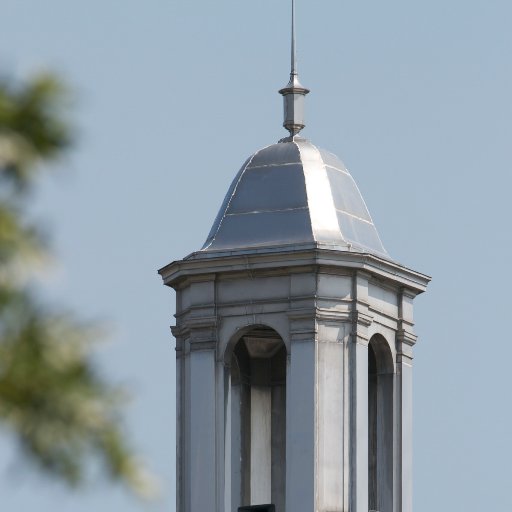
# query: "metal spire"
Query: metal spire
{"points": [[294, 49], [294, 93]]}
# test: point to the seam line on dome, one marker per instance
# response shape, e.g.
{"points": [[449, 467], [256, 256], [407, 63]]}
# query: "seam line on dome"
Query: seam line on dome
{"points": [[232, 195], [305, 189], [287, 164], [338, 169], [298, 208], [369, 215], [355, 216]]}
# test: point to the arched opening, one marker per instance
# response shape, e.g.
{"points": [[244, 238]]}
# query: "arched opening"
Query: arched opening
{"points": [[380, 425], [258, 419]]}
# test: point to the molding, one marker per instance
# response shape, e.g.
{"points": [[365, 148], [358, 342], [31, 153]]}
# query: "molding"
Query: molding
{"points": [[360, 339], [202, 344], [311, 339], [305, 330], [328, 315], [360, 302], [360, 318], [198, 278], [180, 347], [338, 300], [377, 320], [200, 322], [322, 314], [407, 293], [195, 329], [302, 313], [406, 337], [402, 358], [287, 259], [378, 312], [178, 331], [194, 307]]}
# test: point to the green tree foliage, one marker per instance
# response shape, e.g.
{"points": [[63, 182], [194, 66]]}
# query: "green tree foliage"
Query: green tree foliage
{"points": [[51, 394]]}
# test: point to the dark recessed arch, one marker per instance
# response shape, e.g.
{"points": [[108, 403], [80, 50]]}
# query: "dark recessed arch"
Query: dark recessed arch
{"points": [[380, 424], [380, 351], [262, 330], [257, 370]]}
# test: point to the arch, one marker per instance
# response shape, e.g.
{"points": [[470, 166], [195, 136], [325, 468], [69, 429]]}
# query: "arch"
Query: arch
{"points": [[257, 410], [238, 334], [383, 355], [381, 370]]}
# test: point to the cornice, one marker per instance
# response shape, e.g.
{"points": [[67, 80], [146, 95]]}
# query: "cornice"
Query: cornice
{"points": [[406, 337], [198, 264]]}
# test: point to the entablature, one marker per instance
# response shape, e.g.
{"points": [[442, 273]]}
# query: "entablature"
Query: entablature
{"points": [[315, 260]]}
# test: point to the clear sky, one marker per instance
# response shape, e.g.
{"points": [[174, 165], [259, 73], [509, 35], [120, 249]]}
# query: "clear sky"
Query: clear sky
{"points": [[171, 97]]}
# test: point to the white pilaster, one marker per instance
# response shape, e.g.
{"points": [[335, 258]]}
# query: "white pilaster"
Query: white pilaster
{"points": [[300, 428], [405, 342], [261, 457], [330, 423], [180, 442], [359, 426], [405, 427], [202, 439], [358, 367]]}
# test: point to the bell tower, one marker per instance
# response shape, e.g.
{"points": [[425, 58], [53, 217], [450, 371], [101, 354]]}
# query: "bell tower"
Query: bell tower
{"points": [[294, 340]]}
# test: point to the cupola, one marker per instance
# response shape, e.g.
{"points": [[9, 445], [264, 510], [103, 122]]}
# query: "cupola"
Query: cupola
{"points": [[294, 343]]}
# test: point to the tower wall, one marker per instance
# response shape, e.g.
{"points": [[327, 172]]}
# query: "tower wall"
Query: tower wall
{"points": [[326, 308]]}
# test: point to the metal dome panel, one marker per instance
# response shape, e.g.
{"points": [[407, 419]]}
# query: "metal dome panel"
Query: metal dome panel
{"points": [[270, 188], [293, 193]]}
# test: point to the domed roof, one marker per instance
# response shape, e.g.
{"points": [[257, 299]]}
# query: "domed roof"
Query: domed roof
{"points": [[293, 193]]}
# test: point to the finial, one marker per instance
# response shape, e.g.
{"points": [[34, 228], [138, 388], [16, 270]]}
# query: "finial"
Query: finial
{"points": [[293, 66], [294, 93]]}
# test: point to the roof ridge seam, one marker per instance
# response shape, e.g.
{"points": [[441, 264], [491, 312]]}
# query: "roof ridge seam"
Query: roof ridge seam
{"points": [[369, 214], [305, 187], [330, 190], [233, 195], [297, 208], [354, 216]]}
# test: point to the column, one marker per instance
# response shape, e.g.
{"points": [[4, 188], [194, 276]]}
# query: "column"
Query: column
{"points": [[330, 418], [201, 440], [404, 399], [300, 427], [359, 425], [405, 342], [358, 367]]}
